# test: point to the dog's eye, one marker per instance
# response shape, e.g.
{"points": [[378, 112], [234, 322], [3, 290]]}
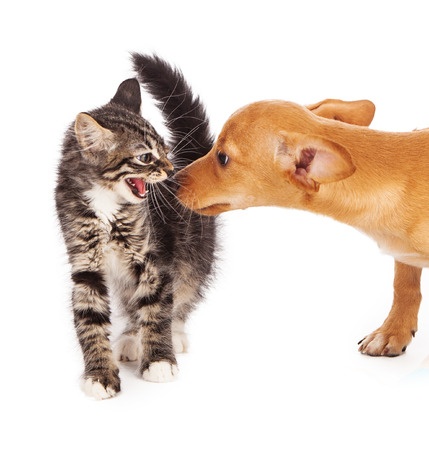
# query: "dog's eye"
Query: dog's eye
{"points": [[222, 158]]}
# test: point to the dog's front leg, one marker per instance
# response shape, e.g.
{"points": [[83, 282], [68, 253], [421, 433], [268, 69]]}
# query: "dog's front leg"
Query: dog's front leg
{"points": [[392, 338]]}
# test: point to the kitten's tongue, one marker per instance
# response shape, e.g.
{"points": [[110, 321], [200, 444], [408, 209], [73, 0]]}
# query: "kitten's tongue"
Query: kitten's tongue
{"points": [[139, 185]]}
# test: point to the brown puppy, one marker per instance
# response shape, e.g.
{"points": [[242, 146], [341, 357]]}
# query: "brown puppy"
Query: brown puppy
{"points": [[280, 153]]}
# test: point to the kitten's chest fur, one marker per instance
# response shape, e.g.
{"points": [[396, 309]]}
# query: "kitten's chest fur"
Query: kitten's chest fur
{"points": [[125, 239]]}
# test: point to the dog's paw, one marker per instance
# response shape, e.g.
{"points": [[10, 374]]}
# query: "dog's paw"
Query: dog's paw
{"points": [[385, 343], [128, 348], [101, 387], [160, 372]]}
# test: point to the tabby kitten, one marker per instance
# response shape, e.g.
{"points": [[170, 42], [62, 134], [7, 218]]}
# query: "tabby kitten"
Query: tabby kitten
{"points": [[127, 237]]}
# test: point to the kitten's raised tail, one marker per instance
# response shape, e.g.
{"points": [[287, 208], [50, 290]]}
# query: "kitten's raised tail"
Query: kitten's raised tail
{"points": [[184, 113]]}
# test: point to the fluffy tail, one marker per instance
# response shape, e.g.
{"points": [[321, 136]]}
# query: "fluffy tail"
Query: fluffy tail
{"points": [[183, 112]]}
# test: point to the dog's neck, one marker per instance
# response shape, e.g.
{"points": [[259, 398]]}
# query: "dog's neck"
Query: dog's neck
{"points": [[392, 169], [387, 196]]}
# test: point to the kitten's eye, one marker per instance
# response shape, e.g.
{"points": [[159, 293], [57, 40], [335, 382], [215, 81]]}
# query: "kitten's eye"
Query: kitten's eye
{"points": [[222, 158], [146, 158]]}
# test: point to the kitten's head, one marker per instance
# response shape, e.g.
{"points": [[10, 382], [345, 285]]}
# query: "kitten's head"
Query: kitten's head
{"points": [[125, 151]]}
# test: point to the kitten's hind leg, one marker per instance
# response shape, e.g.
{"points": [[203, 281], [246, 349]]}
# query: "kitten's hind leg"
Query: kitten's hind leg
{"points": [[128, 348], [180, 338], [187, 295]]}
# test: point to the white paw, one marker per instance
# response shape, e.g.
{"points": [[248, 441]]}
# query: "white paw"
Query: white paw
{"points": [[180, 342], [161, 372], [128, 348], [180, 339], [95, 389]]}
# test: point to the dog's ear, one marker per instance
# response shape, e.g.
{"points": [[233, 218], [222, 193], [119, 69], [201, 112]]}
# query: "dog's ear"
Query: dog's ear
{"points": [[359, 112], [309, 161]]}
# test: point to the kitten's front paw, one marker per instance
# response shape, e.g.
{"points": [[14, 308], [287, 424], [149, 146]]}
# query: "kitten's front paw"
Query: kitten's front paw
{"points": [[101, 387], [160, 372]]}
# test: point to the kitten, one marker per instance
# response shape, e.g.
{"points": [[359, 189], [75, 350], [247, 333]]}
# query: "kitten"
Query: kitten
{"points": [[127, 236]]}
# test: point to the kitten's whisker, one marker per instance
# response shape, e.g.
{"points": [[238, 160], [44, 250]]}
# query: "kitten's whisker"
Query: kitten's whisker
{"points": [[156, 204], [167, 201], [188, 138], [164, 100]]}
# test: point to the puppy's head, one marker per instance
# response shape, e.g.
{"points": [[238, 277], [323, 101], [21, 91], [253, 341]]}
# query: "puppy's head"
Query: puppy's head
{"points": [[270, 153]]}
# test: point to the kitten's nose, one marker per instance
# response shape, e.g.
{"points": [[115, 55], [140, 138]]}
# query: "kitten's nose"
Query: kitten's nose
{"points": [[169, 168]]}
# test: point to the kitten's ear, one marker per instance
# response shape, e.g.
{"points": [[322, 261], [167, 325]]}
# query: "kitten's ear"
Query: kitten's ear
{"points": [[91, 136], [129, 95], [309, 161]]}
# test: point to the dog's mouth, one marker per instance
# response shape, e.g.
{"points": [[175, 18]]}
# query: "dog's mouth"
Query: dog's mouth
{"points": [[137, 186], [213, 210]]}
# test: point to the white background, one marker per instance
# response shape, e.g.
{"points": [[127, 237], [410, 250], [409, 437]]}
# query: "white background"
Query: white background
{"points": [[273, 362]]}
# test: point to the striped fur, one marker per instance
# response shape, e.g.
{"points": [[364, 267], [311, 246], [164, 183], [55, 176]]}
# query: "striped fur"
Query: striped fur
{"points": [[132, 240]]}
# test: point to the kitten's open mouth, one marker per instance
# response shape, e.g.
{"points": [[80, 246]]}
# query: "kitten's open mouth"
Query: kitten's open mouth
{"points": [[137, 187]]}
